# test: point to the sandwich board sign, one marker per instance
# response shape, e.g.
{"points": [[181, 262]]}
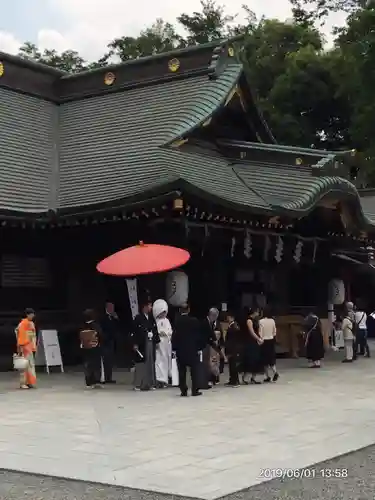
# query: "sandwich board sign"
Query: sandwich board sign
{"points": [[48, 351]]}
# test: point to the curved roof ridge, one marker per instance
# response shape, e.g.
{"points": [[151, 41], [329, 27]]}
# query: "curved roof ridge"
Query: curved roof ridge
{"points": [[212, 97], [323, 186]]}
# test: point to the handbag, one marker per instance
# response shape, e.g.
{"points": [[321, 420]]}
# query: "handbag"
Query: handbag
{"points": [[20, 363]]}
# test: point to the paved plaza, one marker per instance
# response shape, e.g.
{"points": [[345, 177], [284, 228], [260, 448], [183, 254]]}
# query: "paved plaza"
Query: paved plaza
{"points": [[207, 447]]}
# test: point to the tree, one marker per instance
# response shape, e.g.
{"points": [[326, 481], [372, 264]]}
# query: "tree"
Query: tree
{"points": [[160, 37], [304, 105], [68, 60], [208, 25], [266, 49], [320, 9], [296, 84], [356, 44], [30, 51]]}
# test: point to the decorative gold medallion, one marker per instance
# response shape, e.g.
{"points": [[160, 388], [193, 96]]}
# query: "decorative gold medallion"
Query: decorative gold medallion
{"points": [[174, 65], [109, 78], [231, 52], [299, 161], [1, 69]]}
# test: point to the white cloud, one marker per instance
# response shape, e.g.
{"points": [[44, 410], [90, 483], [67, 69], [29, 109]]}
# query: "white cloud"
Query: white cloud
{"points": [[89, 25], [9, 43]]}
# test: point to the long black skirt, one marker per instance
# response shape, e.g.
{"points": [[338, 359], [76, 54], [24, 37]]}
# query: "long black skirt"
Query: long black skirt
{"points": [[252, 359], [315, 346], [268, 352]]}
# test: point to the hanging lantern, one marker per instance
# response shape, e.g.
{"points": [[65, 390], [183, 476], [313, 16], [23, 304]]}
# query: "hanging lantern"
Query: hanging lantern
{"points": [[298, 252], [279, 250], [177, 288], [336, 292], [267, 248], [178, 204], [248, 245]]}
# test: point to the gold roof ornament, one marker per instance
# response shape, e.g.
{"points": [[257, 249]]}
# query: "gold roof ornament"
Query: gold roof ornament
{"points": [[109, 78], [174, 65], [230, 51], [299, 161], [1, 69]]}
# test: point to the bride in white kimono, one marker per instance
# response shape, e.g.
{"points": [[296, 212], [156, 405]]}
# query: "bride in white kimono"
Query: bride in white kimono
{"points": [[163, 360]]}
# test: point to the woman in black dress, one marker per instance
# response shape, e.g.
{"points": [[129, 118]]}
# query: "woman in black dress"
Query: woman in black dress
{"points": [[251, 343], [314, 342]]}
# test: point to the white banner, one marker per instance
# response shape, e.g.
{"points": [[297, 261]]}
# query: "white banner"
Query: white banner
{"points": [[133, 296]]}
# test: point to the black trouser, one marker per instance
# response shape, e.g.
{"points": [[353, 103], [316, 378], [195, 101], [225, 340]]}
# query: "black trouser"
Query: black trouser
{"points": [[361, 343], [222, 364], [233, 370], [183, 365], [108, 359], [92, 366]]}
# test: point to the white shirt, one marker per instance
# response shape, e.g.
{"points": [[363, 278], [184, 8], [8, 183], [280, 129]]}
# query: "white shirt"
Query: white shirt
{"points": [[361, 320], [267, 328]]}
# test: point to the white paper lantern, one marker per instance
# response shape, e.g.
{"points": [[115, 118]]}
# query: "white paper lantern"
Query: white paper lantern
{"points": [[336, 292], [177, 288]]}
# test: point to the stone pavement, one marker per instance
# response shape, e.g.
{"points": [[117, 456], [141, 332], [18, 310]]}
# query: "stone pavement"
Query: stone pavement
{"points": [[358, 485], [207, 447]]}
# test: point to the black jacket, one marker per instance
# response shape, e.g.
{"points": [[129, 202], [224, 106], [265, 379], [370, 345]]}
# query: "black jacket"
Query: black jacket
{"points": [[187, 338], [233, 340], [141, 326], [110, 329]]}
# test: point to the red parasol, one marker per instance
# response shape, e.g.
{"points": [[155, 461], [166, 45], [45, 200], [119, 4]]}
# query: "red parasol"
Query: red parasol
{"points": [[143, 259]]}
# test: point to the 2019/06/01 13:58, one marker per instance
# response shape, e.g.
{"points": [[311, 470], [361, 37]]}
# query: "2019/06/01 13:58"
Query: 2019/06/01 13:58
{"points": [[304, 473]]}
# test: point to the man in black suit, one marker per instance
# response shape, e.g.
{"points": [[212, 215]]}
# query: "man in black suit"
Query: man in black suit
{"points": [[186, 343], [110, 330], [145, 339]]}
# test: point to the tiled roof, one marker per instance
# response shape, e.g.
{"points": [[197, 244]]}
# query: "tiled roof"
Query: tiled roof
{"points": [[119, 147]]}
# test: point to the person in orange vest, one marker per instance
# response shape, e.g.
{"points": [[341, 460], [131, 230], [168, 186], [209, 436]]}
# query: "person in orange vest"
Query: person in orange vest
{"points": [[26, 347]]}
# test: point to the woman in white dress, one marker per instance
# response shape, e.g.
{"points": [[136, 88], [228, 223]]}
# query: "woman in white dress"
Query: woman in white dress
{"points": [[163, 360]]}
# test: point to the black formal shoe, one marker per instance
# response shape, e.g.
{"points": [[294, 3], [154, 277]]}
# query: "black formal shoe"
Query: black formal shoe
{"points": [[184, 394], [255, 382], [110, 382], [197, 393], [347, 360], [275, 377], [267, 380]]}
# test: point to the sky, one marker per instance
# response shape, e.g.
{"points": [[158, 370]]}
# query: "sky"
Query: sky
{"points": [[88, 25]]}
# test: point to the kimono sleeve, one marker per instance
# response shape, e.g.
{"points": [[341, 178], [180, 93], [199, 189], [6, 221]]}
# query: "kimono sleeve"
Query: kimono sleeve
{"points": [[22, 336], [136, 331], [156, 337]]}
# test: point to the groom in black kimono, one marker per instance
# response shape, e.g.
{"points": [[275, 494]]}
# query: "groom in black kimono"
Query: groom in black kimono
{"points": [[145, 339]]}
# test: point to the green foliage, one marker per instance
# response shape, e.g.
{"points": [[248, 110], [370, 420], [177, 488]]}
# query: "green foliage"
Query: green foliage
{"points": [[68, 60], [311, 96], [320, 9]]}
